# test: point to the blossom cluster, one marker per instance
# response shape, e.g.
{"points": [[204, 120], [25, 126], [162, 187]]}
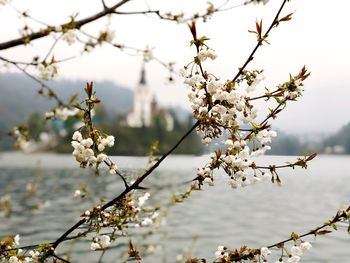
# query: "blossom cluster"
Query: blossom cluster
{"points": [[226, 109], [23, 143], [70, 37], [88, 151], [223, 254], [130, 212], [106, 36], [131, 208], [100, 243], [147, 54], [147, 217], [294, 253], [205, 53], [15, 255], [47, 71], [61, 113]]}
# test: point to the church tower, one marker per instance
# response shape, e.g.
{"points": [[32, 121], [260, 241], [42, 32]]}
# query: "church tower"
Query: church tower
{"points": [[141, 112]]}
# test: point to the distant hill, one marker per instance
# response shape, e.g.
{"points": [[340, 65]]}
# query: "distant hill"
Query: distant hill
{"points": [[19, 98], [338, 143], [285, 144]]}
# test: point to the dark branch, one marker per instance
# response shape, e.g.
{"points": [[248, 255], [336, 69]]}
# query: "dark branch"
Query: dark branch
{"points": [[77, 24], [135, 185]]}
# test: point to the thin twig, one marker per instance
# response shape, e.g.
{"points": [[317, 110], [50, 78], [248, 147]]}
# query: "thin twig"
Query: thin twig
{"points": [[42, 84], [59, 258], [251, 56]]}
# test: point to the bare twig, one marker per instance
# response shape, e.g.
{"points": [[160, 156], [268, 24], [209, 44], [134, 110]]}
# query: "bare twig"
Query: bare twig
{"points": [[77, 24], [42, 84]]}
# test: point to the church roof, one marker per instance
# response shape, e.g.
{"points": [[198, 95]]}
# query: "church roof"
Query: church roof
{"points": [[143, 76]]}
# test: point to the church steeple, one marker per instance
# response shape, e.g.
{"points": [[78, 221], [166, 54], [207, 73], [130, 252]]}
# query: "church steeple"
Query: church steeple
{"points": [[143, 75]]}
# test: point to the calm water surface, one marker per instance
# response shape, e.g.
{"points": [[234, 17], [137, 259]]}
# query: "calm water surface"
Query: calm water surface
{"points": [[256, 216]]}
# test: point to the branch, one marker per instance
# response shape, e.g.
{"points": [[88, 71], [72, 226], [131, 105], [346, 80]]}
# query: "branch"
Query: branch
{"points": [[42, 84], [77, 24], [134, 186], [251, 56], [339, 217], [157, 12], [59, 258]]}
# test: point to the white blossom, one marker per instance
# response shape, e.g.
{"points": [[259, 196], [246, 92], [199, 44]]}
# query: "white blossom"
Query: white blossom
{"points": [[77, 193], [34, 254], [305, 246], [70, 36], [154, 215], [293, 259], [143, 199], [255, 179], [148, 54], [229, 143], [146, 222], [92, 160], [77, 136], [182, 72], [110, 140], [221, 252], [47, 72], [203, 54], [49, 115], [213, 86], [95, 246], [16, 239], [63, 113], [105, 241], [233, 184], [100, 147], [265, 136], [206, 140], [113, 169], [88, 153], [87, 142], [264, 251], [101, 157], [14, 259], [296, 251]]}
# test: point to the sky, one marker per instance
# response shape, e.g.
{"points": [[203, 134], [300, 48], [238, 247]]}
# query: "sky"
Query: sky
{"points": [[318, 37]]}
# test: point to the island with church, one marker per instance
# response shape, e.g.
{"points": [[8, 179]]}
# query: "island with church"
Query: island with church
{"points": [[148, 124], [136, 119]]}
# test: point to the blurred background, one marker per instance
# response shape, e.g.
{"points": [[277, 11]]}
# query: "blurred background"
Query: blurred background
{"points": [[315, 37]]}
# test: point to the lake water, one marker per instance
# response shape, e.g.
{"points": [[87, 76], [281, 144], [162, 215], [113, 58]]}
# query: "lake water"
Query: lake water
{"points": [[256, 216]]}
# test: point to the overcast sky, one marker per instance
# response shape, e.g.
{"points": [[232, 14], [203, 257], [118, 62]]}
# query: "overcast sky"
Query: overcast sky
{"points": [[318, 37]]}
